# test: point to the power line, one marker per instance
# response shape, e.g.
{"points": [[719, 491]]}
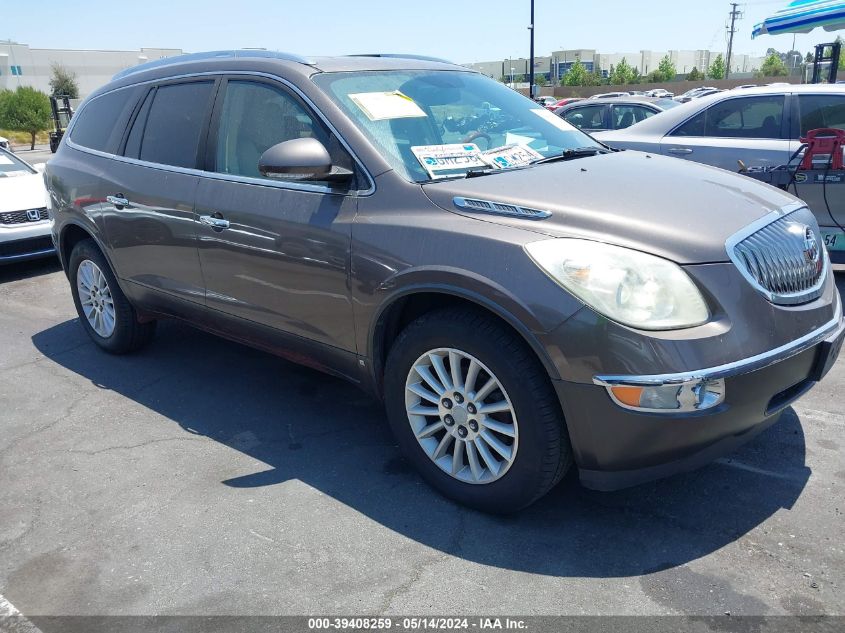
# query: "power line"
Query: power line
{"points": [[734, 15]]}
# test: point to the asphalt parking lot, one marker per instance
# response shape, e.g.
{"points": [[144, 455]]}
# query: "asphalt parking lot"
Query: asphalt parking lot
{"points": [[202, 477]]}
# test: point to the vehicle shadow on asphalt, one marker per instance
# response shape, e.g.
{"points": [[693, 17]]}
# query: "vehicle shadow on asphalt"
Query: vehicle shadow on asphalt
{"points": [[27, 269], [320, 430]]}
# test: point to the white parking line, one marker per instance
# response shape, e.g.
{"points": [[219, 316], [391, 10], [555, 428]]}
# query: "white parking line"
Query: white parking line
{"points": [[12, 620], [724, 461]]}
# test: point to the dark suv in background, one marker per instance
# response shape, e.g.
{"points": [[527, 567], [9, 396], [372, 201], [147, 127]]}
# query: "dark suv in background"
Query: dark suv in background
{"points": [[504, 282]]}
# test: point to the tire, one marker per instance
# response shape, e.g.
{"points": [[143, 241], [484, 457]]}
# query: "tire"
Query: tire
{"points": [[536, 439], [123, 333]]}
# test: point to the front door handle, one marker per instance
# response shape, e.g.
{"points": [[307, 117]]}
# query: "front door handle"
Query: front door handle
{"points": [[118, 200], [679, 150], [215, 223]]}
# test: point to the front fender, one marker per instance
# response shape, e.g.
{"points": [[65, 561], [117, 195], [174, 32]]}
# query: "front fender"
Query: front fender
{"points": [[463, 285]]}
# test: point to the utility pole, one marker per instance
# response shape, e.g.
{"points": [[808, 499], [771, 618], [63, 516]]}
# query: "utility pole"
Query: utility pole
{"points": [[531, 62], [735, 13]]}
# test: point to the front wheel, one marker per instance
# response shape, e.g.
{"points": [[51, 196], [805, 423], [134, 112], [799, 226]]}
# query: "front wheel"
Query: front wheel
{"points": [[472, 408], [105, 312]]}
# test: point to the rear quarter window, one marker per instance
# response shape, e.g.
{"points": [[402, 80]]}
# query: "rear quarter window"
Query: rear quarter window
{"points": [[821, 111], [103, 120], [174, 124]]}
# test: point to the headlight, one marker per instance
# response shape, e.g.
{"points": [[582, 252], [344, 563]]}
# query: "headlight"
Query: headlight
{"points": [[628, 286]]}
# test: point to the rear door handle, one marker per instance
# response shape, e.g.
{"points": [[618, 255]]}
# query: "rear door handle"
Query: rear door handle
{"points": [[118, 201], [679, 150], [215, 223]]}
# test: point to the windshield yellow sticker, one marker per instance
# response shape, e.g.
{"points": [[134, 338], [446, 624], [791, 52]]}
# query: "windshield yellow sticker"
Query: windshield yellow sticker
{"points": [[554, 119], [442, 161], [381, 106]]}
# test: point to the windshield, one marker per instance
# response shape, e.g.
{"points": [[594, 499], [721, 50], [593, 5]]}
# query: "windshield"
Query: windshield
{"points": [[11, 166], [441, 124]]}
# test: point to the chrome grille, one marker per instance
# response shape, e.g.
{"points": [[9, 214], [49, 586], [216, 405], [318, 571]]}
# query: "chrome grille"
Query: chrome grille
{"points": [[785, 259], [20, 217]]}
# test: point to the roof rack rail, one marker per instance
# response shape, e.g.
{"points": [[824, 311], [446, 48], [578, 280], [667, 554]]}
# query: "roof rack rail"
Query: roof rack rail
{"points": [[423, 58], [191, 57]]}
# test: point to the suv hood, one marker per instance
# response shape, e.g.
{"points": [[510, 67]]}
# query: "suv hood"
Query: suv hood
{"points": [[669, 207]]}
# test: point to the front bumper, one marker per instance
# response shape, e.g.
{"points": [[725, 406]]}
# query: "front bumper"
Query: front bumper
{"points": [[617, 447], [26, 241]]}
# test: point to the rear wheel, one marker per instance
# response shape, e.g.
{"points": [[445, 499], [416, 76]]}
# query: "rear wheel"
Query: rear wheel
{"points": [[472, 408], [105, 312]]}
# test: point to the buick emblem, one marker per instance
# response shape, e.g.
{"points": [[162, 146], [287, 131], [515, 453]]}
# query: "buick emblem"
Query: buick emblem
{"points": [[811, 247], [33, 215]]}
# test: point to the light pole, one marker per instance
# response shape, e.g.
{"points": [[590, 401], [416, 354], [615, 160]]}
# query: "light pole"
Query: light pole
{"points": [[531, 68]]}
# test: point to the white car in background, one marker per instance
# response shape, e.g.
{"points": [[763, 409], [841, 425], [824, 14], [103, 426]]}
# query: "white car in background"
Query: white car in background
{"points": [[24, 221], [5, 144], [759, 126]]}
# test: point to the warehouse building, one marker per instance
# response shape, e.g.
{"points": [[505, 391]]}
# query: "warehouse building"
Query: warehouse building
{"points": [[21, 65], [559, 62]]}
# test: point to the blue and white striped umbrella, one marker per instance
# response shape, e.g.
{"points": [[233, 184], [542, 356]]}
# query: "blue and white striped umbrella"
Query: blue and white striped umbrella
{"points": [[802, 16]]}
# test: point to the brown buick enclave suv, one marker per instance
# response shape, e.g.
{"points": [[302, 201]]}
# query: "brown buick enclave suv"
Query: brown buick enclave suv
{"points": [[505, 283]]}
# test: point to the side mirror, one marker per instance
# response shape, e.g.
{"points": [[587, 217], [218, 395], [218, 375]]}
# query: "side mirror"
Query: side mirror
{"points": [[301, 159], [39, 167]]}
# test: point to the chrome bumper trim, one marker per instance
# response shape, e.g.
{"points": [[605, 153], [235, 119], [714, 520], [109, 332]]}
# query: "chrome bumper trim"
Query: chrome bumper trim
{"points": [[744, 366]]}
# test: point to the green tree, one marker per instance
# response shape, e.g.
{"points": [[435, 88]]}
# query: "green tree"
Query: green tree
{"points": [[540, 80], [622, 74], [717, 68], [577, 75], [695, 75], [667, 69], [25, 110], [63, 81], [597, 77], [773, 67]]}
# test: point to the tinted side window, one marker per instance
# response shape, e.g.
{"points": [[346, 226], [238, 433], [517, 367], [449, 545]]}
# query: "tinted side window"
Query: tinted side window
{"points": [[587, 117], [133, 143], [254, 117], [748, 117], [818, 111], [626, 115], [174, 124], [102, 121], [693, 127]]}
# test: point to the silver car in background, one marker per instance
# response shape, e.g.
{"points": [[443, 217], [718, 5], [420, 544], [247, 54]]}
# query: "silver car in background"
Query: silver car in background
{"points": [[759, 126]]}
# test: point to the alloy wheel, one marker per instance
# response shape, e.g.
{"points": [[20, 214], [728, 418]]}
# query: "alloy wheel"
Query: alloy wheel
{"points": [[95, 298], [461, 415]]}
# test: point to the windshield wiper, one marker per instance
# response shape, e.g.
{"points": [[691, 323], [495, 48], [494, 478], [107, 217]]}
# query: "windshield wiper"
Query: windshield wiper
{"points": [[569, 154]]}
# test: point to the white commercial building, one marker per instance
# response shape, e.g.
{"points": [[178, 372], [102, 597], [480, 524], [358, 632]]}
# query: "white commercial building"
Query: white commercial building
{"points": [[21, 65], [645, 61]]}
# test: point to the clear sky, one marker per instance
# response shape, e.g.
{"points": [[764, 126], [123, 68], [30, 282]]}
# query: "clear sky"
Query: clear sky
{"points": [[460, 30]]}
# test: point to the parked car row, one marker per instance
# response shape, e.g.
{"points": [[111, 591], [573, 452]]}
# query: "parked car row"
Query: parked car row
{"points": [[696, 93], [612, 113]]}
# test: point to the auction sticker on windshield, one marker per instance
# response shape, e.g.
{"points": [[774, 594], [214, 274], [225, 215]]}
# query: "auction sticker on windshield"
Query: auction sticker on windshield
{"points": [[510, 156], [442, 161], [381, 106]]}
